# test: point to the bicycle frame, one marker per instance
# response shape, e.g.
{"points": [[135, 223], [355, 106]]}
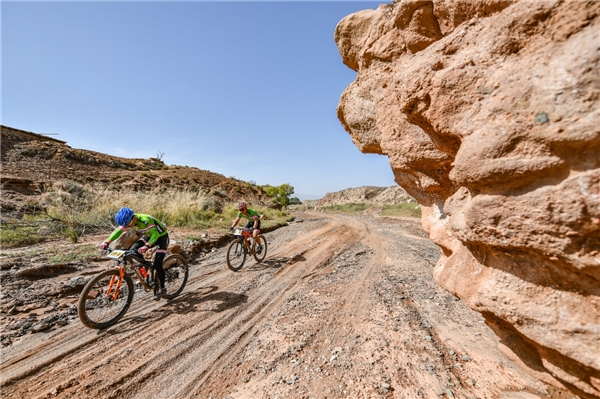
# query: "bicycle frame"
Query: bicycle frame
{"points": [[244, 234], [124, 259]]}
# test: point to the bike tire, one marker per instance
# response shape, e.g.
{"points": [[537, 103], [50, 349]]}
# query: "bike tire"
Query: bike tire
{"points": [[97, 311], [236, 255], [176, 274], [263, 254]]}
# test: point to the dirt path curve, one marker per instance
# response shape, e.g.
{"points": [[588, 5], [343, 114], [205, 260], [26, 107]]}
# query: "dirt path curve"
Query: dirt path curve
{"points": [[343, 307]]}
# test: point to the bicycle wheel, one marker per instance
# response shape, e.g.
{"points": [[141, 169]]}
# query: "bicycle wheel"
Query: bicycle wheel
{"points": [[96, 309], [259, 257], [236, 255], [176, 274]]}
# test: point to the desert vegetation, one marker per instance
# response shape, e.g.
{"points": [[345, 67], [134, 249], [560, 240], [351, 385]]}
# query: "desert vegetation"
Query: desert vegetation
{"points": [[406, 209], [70, 210]]}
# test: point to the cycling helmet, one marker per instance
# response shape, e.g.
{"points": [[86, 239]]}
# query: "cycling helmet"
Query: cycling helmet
{"points": [[124, 216], [242, 206]]}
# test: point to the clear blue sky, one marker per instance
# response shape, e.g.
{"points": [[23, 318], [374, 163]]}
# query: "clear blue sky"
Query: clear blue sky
{"points": [[245, 89]]}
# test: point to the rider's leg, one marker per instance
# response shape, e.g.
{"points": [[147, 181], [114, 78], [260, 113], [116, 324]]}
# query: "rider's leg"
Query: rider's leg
{"points": [[255, 234], [137, 245], [162, 243]]}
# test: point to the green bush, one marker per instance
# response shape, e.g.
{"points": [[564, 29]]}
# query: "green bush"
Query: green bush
{"points": [[351, 207], [15, 234], [407, 209]]}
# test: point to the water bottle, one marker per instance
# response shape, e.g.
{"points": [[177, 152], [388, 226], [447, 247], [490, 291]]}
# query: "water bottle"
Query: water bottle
{"points": [[143, 272]]}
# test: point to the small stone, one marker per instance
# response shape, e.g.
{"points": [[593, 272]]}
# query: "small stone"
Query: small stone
{"points": [[541, 117], [292, 380], [466, 358], [385, 388], [485, 90], [40, 327], [428, 338], [470, 382]]}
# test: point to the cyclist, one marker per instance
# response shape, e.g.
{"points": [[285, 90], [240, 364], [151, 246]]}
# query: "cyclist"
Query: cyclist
{"points": [[253, 222], [154, 234]]}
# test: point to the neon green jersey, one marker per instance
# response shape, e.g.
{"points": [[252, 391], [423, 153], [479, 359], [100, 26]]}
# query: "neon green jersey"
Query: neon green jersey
{"points": [[146, 224], [250, 214]]}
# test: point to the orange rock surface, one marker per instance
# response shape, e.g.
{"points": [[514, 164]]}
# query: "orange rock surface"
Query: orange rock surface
{"points": [[489, 112]]}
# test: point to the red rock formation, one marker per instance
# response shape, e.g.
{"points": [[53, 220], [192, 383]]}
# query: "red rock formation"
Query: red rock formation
{"points": [[489, 111]]}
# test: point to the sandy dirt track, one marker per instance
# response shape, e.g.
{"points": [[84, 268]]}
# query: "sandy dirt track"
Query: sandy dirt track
{"points": [[342, 307]]}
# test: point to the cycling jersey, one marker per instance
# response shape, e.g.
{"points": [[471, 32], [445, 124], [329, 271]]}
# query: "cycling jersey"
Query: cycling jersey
{"points": [[147, 225], [251, 214]]}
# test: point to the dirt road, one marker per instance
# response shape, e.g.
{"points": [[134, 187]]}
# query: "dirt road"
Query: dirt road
{"points": [[343, 307]]}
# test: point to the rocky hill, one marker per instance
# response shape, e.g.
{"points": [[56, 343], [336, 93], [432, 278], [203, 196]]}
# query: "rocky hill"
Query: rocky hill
{"points": [[489, 112], [31, 163], [364, 194]]}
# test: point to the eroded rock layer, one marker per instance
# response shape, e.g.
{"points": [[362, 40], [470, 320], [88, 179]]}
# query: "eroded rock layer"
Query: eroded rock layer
{"points": [[489, 112]]}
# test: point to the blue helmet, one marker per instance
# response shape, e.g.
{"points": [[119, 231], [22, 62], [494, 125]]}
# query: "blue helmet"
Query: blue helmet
{"points": [[124, 216]]}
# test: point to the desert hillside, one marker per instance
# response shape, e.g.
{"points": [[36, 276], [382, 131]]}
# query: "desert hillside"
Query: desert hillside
{"points": [[31, 163], [489, 112], [366, 194]]}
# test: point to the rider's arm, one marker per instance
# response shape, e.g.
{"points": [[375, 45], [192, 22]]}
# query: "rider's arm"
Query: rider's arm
{"points": [[154, 234], [115, 234], [255, 221], [235, 222]]}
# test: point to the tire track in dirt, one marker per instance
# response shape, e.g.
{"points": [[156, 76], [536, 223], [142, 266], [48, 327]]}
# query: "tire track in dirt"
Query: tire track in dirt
{"points": [[340, 308], [199, 344], [280, 287]]}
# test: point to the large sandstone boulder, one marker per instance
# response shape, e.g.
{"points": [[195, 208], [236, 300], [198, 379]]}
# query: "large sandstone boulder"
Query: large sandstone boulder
{"points": [[489, 112]]}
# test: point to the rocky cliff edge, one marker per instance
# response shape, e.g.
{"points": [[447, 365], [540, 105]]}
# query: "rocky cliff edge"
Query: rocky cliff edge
{"points": [[489, 113]]}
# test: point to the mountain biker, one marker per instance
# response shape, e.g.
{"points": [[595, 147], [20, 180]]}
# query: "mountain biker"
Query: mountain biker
{"points": [[253, 222], [155, 234]]}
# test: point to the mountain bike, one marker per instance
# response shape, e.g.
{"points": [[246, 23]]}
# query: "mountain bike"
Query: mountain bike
{"points": [[107, 297], [242, 245]]}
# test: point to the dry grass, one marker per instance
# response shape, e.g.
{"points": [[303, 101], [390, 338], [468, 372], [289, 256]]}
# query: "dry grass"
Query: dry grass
{"points": [[72, 210]]}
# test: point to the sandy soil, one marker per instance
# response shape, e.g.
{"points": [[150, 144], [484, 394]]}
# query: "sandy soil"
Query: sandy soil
{"points": [[342, 307]]}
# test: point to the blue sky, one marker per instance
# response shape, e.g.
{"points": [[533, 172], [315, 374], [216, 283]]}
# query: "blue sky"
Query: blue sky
{"points": [[245, 89]]}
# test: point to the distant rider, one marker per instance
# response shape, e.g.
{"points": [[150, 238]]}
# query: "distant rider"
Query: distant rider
{"points": [[155, 234], [253, 222]]}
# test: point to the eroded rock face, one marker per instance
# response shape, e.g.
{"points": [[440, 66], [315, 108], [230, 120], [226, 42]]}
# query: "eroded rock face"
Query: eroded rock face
{"points": [[364, 194], [489, 112]]}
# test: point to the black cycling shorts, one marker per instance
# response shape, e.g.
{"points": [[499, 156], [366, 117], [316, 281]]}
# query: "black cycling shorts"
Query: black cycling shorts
{"points": [[251, 225]]}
